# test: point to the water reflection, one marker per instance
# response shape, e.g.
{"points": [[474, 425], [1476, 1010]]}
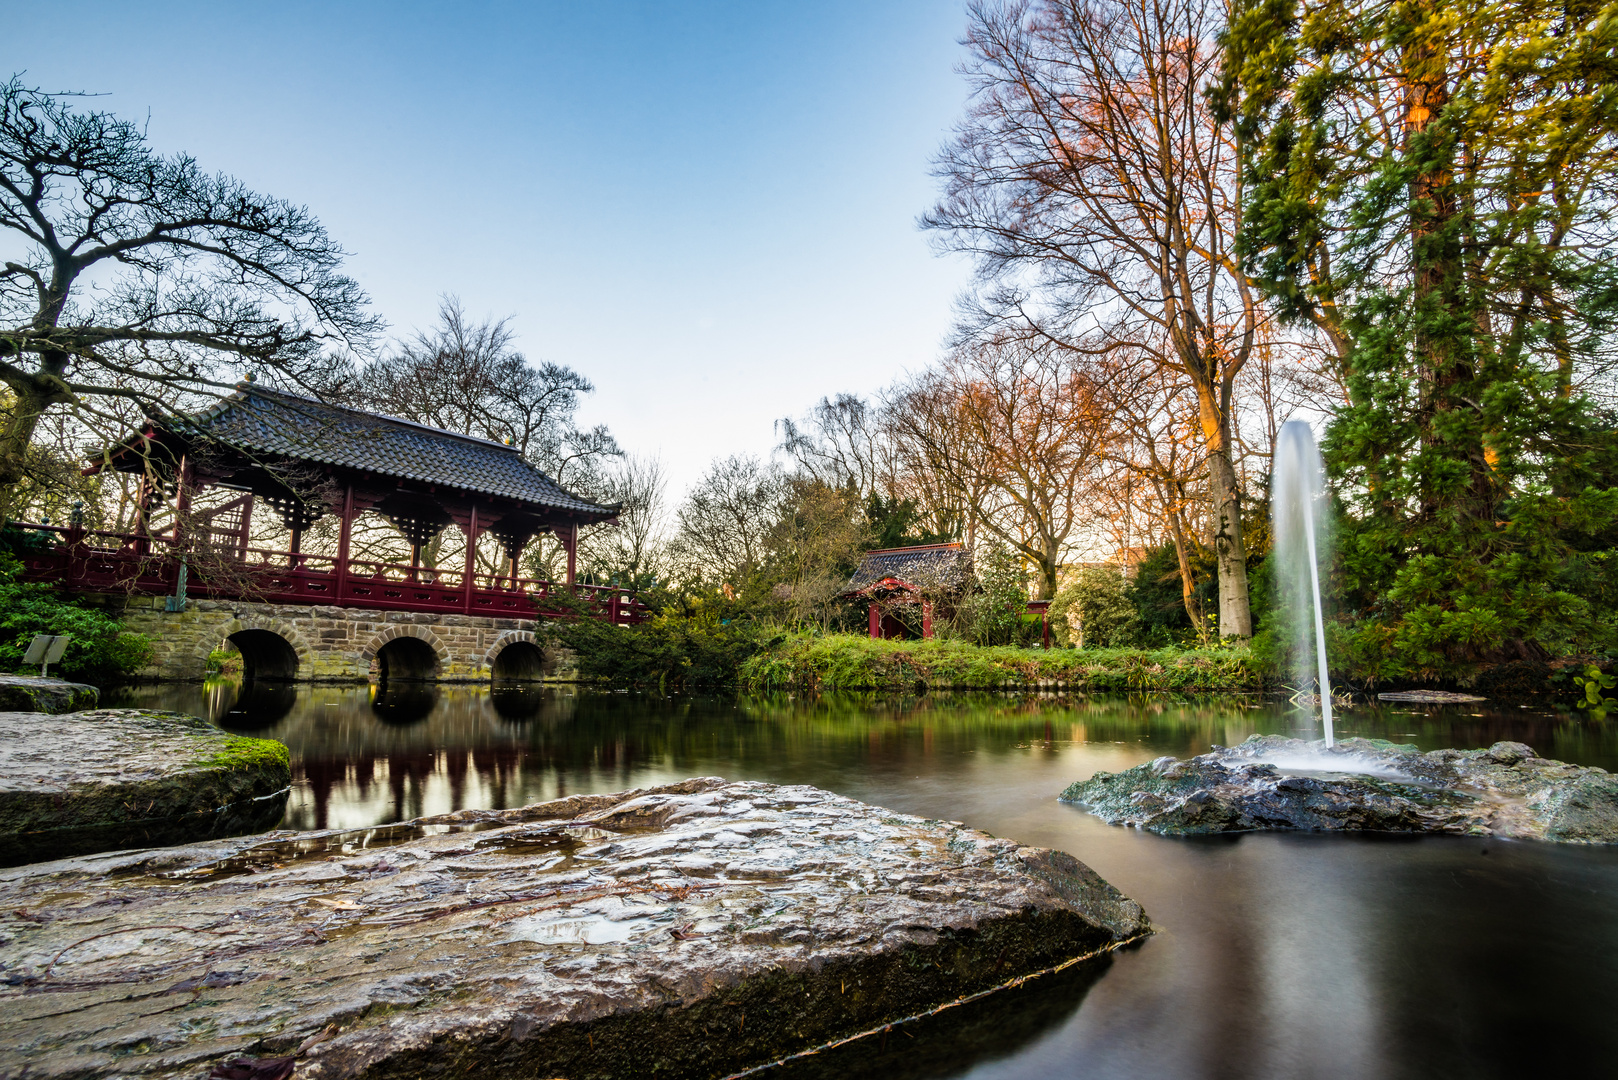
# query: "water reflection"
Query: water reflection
{"points": [[403, 704], [1281, 955]]}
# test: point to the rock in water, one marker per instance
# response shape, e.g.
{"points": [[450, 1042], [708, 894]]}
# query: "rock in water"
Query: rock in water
{"points": [[1360, 784], [682, 931], [110, 778], [29, 693]]}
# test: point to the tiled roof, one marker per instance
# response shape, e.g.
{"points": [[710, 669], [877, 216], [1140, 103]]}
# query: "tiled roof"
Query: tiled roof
{"points": [[273, 422], [941, 569]]}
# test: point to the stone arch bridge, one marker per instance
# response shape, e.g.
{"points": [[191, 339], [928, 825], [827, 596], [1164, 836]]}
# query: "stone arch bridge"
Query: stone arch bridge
{"points": [[334, 644]]}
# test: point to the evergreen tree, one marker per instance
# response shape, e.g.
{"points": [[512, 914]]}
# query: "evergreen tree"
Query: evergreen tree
{"points": [[1430, 184]]}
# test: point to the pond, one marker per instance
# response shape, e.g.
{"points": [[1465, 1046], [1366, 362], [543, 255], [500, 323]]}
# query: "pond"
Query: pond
{"points": [[1280, 955]]}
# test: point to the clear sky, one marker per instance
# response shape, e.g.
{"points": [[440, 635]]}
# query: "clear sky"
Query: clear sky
{"points": [[707, 208]]}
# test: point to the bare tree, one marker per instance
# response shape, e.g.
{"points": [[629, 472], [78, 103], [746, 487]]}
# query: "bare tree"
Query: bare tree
{"points": [[1101, 200], [1016, 432], [814, 545], [128, 274], [841, 444], [467, 376], [632, 553], [726, 518]]}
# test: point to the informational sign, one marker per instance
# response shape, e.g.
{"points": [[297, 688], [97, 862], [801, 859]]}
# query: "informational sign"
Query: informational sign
{"points": [[45, 650]]}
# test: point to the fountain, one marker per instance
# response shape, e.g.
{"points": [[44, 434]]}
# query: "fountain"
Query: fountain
{"points": [[1297, 504]]}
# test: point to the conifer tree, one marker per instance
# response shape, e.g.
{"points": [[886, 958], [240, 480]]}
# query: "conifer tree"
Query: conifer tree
{"points": [[1430, 183]]}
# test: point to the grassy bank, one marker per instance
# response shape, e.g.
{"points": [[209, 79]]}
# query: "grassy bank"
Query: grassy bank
{"points": [[849, 662]]}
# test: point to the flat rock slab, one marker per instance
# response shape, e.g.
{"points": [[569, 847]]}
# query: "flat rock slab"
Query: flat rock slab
{"points": [[29, 693], [108, 778], [1270, 782], [681, 931]]}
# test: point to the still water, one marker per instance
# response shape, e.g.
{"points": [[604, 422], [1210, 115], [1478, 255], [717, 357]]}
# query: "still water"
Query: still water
{"points": [[1279, 955]]}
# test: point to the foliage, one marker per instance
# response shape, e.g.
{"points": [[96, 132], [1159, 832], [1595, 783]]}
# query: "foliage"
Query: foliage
{"points": [[853, 662], [992, 615], [674, 650], [1156, 596], [1094, 610], [1431, 187], [1593, 682], [99, 649]]}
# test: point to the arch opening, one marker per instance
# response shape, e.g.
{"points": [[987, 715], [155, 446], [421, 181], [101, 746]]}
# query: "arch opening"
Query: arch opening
{"points": [[520, 661], [407, 659], [266, 655]]}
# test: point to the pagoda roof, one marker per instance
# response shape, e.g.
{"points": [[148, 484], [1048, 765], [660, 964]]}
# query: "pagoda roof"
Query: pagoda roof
{"points": [[277, 424], [942, 569]]}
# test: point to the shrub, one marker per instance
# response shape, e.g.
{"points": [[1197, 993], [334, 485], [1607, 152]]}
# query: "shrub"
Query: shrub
{"points": [[1095, 610], [99, 649]]}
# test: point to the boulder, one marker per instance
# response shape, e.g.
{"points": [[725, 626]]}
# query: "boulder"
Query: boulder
{"points": [[29, 693], [109, 778], [682, 931], [1360, 784]]}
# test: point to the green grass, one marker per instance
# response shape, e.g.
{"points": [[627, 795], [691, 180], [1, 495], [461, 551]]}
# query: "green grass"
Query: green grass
{"points": [[851, 662]]}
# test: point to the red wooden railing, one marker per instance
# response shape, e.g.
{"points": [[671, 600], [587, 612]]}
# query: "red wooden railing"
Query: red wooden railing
{"points": [[88, 560]]}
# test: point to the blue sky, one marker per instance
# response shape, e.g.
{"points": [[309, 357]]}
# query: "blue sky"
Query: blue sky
{"points": [[707, 208]]}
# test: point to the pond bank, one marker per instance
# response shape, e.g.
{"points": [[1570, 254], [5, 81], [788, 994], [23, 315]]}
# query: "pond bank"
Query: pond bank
{"points": [[849, 662]]}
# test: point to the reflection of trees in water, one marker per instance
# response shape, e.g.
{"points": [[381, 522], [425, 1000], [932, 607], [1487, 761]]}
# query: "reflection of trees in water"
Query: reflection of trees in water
{"points": [[461, 746]]}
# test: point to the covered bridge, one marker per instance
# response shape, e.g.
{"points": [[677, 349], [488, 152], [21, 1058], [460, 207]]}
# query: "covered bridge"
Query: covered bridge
{"points": [[305, 461]]}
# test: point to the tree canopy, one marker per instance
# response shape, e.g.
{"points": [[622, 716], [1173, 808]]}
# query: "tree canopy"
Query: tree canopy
{"points": [[132, 274]]}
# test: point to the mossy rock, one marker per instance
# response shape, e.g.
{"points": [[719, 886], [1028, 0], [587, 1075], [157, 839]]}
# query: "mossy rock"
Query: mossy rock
{"points": [[111, 778], [29, 693]]}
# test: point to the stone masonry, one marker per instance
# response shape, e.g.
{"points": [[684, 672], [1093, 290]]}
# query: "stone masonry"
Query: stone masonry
{"points": [[332, 644]]}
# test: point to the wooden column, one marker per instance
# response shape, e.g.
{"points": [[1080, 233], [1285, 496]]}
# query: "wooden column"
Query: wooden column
{"points": [[470, 573], [143, 495], [182, 500], [343, 534], [247, 529], [182, 510], [926, 620], [572, 545], [876, 621]]}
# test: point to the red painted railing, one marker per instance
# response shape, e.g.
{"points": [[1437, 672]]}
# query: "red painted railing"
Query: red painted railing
{"points": [[93, 561]]}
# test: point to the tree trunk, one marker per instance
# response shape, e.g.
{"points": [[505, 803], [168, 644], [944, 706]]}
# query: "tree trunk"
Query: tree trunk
{"points": [[18, 433], [1230, 550], [1188, 586], [1048, 567]]}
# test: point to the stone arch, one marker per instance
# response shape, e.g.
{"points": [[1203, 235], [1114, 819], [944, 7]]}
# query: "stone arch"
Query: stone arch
{"points": [[405, 651], [515, 656], [261, 657]]}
